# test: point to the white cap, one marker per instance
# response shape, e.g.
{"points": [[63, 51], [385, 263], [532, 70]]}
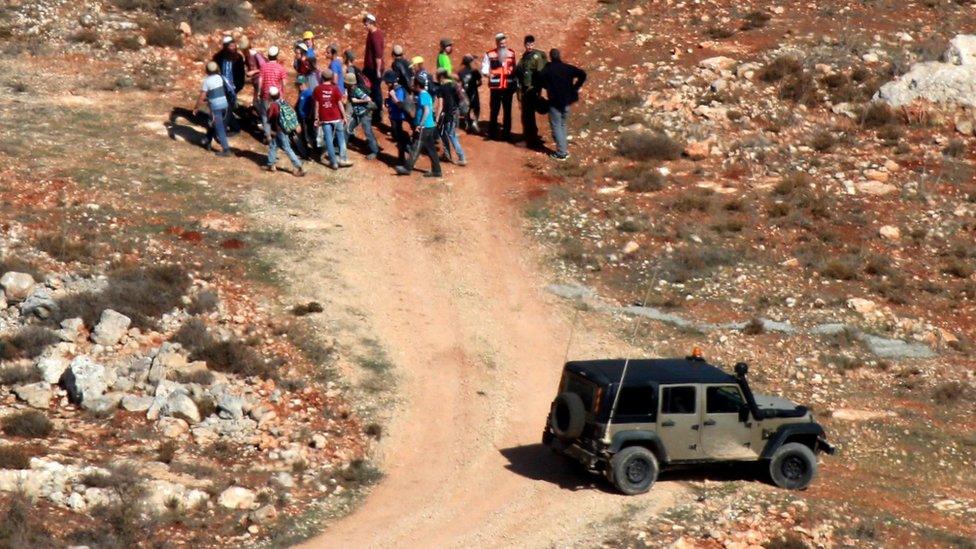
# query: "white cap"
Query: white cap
{"points": [[273, 91], [370, 17], [500, 36], [227, 39], [273, 51]]}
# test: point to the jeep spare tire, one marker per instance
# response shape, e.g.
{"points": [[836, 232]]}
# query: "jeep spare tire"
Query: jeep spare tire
{"points": [[568, 416], [633, 470], [793, 466]]}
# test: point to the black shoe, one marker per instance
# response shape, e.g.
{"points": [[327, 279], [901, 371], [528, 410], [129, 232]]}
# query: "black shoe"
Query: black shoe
{"points": [[558, 156], [401, 170], [434, 175], [225, 153]]}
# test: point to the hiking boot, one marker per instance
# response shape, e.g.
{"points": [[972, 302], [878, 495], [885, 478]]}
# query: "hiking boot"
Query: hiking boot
{"points": [[270, 169], [445, 158], [333, 166], [462, 162], [401, 170], [345, 164], [559, 156], [299, 172], [434, 175], [225, 153], [371, 156]]}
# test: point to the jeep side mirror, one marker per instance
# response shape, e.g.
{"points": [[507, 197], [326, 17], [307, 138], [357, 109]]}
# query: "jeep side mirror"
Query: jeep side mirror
{"points": [[743, 412]]}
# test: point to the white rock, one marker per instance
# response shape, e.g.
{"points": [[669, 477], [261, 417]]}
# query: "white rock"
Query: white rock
{"points": [[172, 427], [180, 405], [717, 64], [237, 497], [861, 305], [36, 395], [111, 327], [889, 232], [16, 286], [134, 403], [961, 51], [86, 378], [52, 365]]}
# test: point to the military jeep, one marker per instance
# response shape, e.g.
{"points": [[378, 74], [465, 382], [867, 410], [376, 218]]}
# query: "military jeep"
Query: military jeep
{"points": [[670, 412]]}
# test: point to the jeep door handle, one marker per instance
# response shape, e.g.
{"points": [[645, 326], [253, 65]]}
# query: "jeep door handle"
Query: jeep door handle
{"points": [[695, 427], [667, 423], [709, 422]]}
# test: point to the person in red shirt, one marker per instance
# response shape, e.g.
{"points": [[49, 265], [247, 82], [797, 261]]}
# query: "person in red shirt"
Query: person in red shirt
{"points": [[373, 64], [271, 75], [330, 118]]}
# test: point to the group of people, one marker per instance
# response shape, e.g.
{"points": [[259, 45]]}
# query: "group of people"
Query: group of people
{"points": [[334, 97]]}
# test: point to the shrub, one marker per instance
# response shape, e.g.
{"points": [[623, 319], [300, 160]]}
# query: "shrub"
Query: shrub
{"points": [[792, 183], [22, 526], [142, 294], [8, 264], [63, 249], [822, 141], [282, 10], [695, 262], [647, 145], [690, 202], [890, 134], [361, 472], [85, 36], [374, 430], [877, 115], [199, 376], [231, 356], [27, 424], [164, 35], [307, 308], [127, 43], [13, 457], [840, 269], [18, 375], [778, 68], [955, 148], [166, 452], [208, 16], [648, 180], [958, 268], [950, 392], [719, 33], [754, 327], [204, 302], [878, 265], [29, 342], [799, 88], [755, 20]]}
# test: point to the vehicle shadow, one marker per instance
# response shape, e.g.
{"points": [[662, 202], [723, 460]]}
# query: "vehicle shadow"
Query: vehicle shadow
{"points": [[538, 462]]}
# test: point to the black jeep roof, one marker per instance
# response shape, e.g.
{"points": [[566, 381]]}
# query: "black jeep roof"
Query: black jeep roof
{"points": [[650, 371]]}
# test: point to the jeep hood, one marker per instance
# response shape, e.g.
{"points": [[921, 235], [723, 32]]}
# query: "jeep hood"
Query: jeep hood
{"points": [[772, 406]]}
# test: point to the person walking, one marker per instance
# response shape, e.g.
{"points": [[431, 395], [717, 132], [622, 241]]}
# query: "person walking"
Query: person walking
{"points": [[527, 71], [232, 68], [470, 80], [448, 103], [562, 83], [306, 115], [419, 71], [214, 92], [362, 113], [253, 61], [305, 65], [401, 67], [281, 128], [337, 68], [395, 97], [426, 131], [498, 65], [444, 57], [349, 57], [271, 75], [308, 37], [330, 119], [373, 64]]}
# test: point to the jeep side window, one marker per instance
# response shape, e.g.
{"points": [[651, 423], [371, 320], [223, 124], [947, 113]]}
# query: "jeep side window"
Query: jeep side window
{"points": [[678, 400], [636, 404], [723, 399]]}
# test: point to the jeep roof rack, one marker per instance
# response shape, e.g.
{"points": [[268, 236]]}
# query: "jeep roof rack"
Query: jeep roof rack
{"points": [[659, 370]]}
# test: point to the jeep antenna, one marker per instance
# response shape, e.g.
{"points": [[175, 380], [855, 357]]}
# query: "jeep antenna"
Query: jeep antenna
{"points": [[633, 338]]}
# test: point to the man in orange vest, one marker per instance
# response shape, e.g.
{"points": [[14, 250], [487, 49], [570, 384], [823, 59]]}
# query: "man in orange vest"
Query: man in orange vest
{"points": [[498, 65]]}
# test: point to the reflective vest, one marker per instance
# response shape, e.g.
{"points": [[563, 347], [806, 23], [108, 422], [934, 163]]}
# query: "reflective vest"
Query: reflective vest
{"points": [[500, 73]]}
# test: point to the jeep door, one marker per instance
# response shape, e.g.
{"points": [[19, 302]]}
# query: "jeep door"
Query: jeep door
{"points": [[725, 433], [679, 421]]}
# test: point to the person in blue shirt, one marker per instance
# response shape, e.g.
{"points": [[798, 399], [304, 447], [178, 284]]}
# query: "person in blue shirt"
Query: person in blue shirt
{"points": [[308, 37], [395, 96], [306, 116], [338, 71], [425, 132]]}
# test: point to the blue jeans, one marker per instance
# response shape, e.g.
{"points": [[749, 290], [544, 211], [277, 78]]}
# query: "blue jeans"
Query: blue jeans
{"points": [[329, 132], [281, 139], [557, 122], [450, 138], [366, 121], [217, 128]]}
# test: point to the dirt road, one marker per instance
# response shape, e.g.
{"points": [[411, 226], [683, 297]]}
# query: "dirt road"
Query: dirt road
{"points": [[450, 287]]}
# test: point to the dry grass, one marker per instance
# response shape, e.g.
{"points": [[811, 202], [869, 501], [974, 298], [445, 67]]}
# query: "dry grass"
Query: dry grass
{"points": [[647, 181], [29, 342], [878, 115], [951, 392], [13, 457], [282, 10], [62, 248], [644, 145], [164, 34], [779, 68], [22, 526], [142, 294], [26, 424], [755, 20], [231, 356], [696, 262], [822, 141], [223, 14]]}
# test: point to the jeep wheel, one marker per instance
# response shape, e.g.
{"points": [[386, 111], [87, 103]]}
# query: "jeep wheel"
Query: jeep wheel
{"points": [[793, 466], [568, 416], [633, 470]]}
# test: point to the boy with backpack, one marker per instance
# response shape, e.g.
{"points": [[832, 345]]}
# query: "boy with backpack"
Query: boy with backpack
{"points": [[282, 122], [362, 113], [216, 92], [449, 98]]}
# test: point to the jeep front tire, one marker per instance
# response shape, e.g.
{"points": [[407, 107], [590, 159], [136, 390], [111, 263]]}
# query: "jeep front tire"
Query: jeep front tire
{"points": [[793, 466], [633, 470]]}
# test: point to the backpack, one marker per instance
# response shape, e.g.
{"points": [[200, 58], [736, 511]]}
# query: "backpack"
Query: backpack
{"points": [[288, 119]]}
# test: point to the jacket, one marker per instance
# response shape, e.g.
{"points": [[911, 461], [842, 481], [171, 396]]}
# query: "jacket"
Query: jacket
{"points": [[529, 67], [562, 83], [499, 71], [403, 71], [239, 71]]}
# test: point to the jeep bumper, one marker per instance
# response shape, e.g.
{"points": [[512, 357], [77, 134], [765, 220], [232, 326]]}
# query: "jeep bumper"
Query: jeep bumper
{"points": [[827, 447], [587, 458]]}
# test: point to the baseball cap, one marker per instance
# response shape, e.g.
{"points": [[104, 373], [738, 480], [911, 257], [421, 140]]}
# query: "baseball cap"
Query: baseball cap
{"points": [[350, 78], [500, 36], [398, 50], [273, 91], [273, 51], [308, 35], [226, 40], [212, 68], [369, 17], [416, 60], [445, 42]]}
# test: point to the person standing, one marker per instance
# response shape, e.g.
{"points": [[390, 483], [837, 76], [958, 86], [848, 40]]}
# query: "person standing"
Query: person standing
{"points": [[419, 70], [305, 65], [232, 68], [271, 75], [448, 102], [498, 66], [401, 67], [214, 93], [253, 61], [529, 67], [349, 57], [306, 117], [330, 119], [562, 83], [308, 37], [373, 63], [362, 113], [444, 57], [470, 83], [395, 97], [280, 134], [426, 128], [337, 68]]}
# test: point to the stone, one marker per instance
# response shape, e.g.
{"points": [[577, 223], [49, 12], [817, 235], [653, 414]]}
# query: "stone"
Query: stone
{"points": [[184, 28], [630, 248], [237, 497], [172, 427], [16, 286], [85, 379], [718, 64], [889, 232], [319, 441], [36, 395], [52, 364], [179, 404], [135, 403], [163, 390], [39, 303], [875, 188], [876, 175], [230, 406], [861, 305], [847, 414], [934, 82], [263, 515], [961, 50], [697, 150], [103, 404], [283, 480], [72, 330], [964, 125], [168, 358], [111, 327]]}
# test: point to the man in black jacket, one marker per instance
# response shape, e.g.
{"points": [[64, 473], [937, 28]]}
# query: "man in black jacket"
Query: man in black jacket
{"points": [[562, 83], [231, 65]]}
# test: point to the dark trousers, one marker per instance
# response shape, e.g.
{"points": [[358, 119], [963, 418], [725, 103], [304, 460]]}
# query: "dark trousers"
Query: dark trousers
{"points": [[470, 119], [530, 130], [402, 140], [428, 143], [500, 100], [376, 93]]}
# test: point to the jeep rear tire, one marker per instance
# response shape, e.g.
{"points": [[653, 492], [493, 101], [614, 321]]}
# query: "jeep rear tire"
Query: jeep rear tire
{"points": [[793, 466], [568, 416], [633, 470]]}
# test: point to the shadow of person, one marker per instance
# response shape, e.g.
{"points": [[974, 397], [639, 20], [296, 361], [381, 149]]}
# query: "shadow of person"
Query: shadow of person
{"points": [[538, 462], [187, 132]]}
